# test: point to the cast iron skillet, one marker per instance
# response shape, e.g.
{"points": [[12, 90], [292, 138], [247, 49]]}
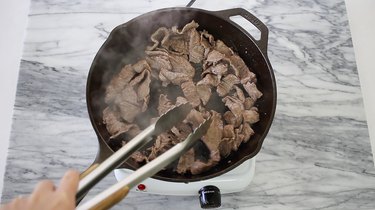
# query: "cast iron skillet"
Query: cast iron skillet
{"points": [[126, 45]]}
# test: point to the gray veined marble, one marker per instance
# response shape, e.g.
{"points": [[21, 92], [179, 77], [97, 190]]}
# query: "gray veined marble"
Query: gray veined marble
{"points": [[317, 154]]}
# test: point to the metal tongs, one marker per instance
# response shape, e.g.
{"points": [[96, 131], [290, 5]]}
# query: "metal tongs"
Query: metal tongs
{"points": [[118, 191]]}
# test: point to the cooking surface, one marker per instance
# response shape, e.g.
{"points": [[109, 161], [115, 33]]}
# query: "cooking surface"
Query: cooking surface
{"points": [[317, 153]]}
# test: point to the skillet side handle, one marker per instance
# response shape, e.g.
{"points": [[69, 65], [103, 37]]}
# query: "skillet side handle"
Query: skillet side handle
{"points": [[103, 153], [263, 41]]}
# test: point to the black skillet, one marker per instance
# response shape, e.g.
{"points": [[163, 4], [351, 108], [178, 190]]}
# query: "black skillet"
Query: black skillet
{"points": [[126, 44]]}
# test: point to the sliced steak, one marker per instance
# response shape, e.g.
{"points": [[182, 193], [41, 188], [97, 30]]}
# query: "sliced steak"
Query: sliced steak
{"points": [[251, 116], [190, 92], [164, 104], [185, 162], [113, 123], [252, 90], [204, 92], [223, 48], [118, 83]]}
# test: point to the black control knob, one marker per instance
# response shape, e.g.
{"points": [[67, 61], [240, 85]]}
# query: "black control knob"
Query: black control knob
{"points": [[209, 197]]}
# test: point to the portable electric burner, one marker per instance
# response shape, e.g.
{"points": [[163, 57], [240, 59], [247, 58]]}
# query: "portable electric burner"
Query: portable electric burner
{"points": [[235, 180]]}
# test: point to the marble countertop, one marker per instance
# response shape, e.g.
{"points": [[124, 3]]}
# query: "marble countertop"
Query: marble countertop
{"points": [[317, 154]]}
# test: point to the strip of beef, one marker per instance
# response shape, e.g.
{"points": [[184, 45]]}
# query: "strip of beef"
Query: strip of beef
{"points": [[190, 92], [196, 50], [181, 100], [118, 83], [139, 157], [223, 48], [252, 90], [159, 36], [249, 102], [210, 80], [175, 77], [204, 92], [113, 124], [164, 104], [181, 65], [251, 116], [247, 131], [185, 162], [158, 60], [226, 144], [240, 69], [211, 140], [141, 83], [195, 118], [226, 85], [230, 118], [214, 56], [141, 66], [127, 103], [162, 143], [239, 94]]}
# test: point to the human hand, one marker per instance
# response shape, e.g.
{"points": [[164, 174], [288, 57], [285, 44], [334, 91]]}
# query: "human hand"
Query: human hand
{"points": [[47, 197]]}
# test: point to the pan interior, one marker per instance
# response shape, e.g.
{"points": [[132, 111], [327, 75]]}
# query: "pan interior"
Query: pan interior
{"points": [[126, 45]]}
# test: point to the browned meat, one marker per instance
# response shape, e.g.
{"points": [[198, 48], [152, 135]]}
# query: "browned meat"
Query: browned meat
{"points": [[190, 26], [247, 131], [252, 90], [185, 162], [196, 50], [118, 83], [158, 60], [127, 103], [113, 123], [162, 143], [184, 66], [181, 100], [225, 146], [249, 102], [204, 92], [140, 66], [231, 119], [195, 118], [159, 36], [181, 65], [220, 70], [211, 140], [240, 69], [164, 104], [139, 157], [235, 105], [251, 116], [190, 92], [222, 48], [175, 77], [214, 56], [226, 84], [199, 166], [239, 94], [210, 80]]}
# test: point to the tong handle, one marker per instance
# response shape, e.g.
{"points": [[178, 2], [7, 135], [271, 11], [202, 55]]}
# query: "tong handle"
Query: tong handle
{"points": [[111, 200], [87, 171]]}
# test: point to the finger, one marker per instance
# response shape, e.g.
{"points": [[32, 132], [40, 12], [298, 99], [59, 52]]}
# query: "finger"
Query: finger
{"points": [[16, 204], [44, 186], [69, 183]]}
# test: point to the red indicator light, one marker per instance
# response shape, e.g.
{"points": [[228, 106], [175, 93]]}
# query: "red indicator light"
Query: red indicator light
{"points": [[141, 187]]}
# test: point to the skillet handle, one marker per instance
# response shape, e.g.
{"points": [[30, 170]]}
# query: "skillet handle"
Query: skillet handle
{"points": [[263, 41]]}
